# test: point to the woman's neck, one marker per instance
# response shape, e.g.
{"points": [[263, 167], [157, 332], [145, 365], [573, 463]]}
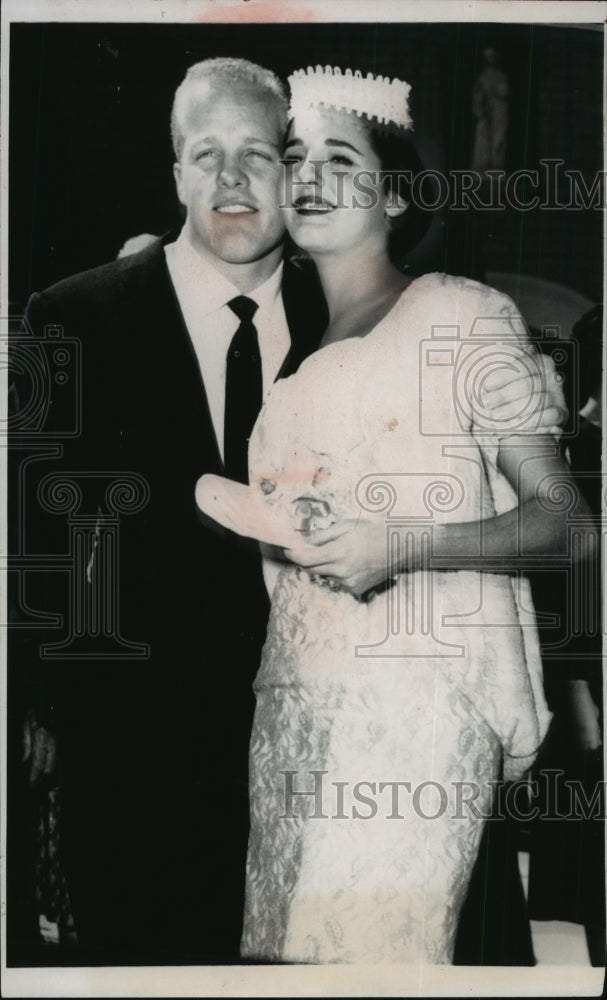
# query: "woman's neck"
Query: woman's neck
{"points": [[360, 289]]}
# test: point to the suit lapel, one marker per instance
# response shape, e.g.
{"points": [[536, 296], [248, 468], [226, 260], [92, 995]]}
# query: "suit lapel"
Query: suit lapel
{"points": [[305, 311], [183, 368]]}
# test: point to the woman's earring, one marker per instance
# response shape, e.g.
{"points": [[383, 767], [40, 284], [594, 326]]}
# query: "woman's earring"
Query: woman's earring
{"points": [[395, 207]]}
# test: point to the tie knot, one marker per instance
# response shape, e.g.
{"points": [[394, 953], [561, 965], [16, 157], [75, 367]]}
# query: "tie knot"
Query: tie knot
{"points": [[243, 307]]}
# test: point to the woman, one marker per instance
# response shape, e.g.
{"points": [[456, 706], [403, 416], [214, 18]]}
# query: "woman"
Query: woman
{"points": [[385, 699]]}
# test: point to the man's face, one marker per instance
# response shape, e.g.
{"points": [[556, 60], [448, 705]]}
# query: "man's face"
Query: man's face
{"points": [[229, 172]]}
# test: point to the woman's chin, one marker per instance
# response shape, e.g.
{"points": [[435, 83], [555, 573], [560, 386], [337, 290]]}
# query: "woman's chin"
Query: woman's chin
{"points": [[311, 231], [312, 239]]}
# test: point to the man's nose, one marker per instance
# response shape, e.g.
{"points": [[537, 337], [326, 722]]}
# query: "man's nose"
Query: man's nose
{"points": [[231, 173]]}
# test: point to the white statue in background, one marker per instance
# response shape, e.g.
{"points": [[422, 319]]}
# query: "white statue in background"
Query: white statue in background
{"points": [[490, 108]]}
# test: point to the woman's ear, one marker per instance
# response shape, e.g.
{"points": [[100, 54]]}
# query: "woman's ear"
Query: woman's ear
{"points": [[396, 206]]}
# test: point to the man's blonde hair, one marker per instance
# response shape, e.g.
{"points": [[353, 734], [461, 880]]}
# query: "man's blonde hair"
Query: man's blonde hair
{"points": [[227, 71]]}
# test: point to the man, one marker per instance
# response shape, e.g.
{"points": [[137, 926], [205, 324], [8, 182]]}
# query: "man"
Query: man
{"points": [[154, 749]]}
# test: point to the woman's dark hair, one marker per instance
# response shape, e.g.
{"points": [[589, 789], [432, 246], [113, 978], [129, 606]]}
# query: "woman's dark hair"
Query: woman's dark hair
{"points": [[398, 155]]}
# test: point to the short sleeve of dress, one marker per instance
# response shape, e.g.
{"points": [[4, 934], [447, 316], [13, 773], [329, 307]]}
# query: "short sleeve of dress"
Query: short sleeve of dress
{"points": [[495, 343]]}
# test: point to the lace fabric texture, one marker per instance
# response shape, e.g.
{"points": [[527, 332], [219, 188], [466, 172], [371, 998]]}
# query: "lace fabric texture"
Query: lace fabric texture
{"points": [[376, 719]]}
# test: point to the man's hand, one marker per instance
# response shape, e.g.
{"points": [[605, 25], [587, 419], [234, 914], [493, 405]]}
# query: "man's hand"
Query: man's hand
{"points": [[39, 747], [504, 392], [352, 554], [136, 243]]}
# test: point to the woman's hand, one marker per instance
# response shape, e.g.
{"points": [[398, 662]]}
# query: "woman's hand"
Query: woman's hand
{"points": [[352, 553], [360, 554]]}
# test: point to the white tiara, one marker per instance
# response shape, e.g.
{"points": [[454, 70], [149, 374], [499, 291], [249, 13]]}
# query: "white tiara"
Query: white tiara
{"points": [[374, 96]]}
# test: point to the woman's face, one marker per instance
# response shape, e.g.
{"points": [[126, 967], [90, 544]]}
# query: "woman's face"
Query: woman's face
{"points": [[334, 199]]}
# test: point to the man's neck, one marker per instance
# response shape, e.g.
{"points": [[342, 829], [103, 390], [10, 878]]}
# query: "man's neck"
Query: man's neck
{"points": [[247, 276]]}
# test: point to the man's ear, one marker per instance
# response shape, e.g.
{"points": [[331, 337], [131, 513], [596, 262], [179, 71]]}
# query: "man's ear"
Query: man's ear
{"points": [[396, 206], [178, 181]]}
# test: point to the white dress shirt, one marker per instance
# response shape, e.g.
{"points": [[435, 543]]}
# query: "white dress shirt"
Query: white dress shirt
{"points": [[203, 294]]}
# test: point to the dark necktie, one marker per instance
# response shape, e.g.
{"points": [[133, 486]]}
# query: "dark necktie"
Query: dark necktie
{"points": [[243, 390]]}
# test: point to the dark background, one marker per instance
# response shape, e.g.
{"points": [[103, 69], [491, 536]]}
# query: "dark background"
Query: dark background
{"points": [[91, 159]]}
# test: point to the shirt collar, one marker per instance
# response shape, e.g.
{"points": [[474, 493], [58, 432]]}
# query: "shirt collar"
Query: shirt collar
{"points": [[265, 295], [214, 289]]}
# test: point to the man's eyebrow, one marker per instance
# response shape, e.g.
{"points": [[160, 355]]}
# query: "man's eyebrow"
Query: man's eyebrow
{"points": [[264, 142], [247, 139], [328, 142]]}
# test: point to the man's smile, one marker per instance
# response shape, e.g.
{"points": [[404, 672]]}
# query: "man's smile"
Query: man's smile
{"points": [[234, 208]]}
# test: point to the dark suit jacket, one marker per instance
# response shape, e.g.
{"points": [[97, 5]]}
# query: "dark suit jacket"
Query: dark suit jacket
{"points": [[144, 411], [170, 728]]}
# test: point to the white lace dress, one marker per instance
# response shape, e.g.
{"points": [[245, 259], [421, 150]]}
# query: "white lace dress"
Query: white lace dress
{"points": [[391, 714]]}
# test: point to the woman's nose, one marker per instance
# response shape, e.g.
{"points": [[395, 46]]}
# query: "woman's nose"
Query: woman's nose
{"points": [[309, 171]]}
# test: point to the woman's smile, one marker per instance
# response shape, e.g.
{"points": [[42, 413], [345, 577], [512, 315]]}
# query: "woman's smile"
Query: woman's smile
{"points": [[313, 206]]}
